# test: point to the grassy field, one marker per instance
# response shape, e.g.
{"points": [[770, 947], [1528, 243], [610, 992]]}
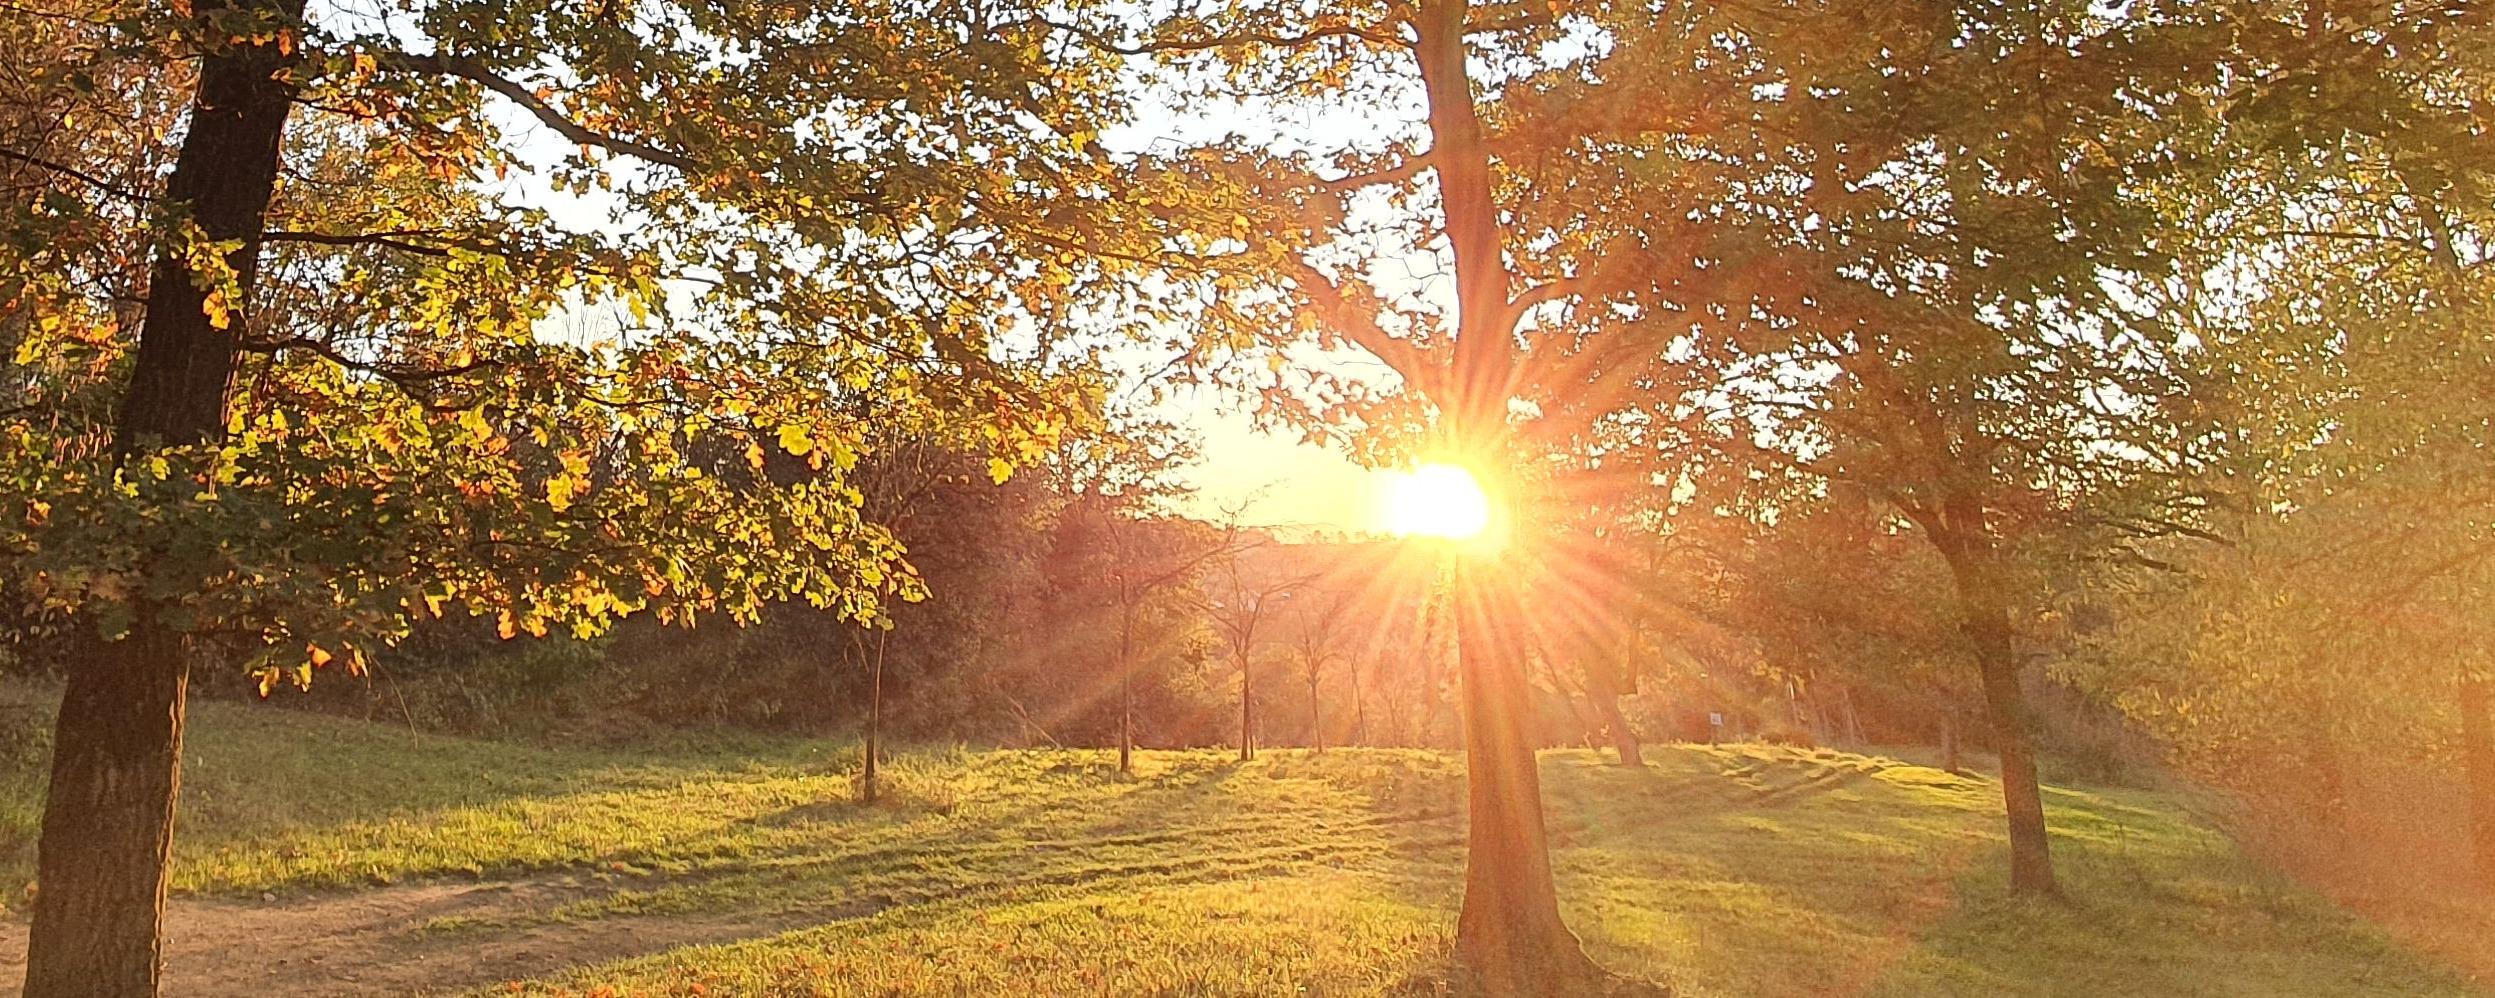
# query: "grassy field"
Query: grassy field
{"points": [[750, 867]]}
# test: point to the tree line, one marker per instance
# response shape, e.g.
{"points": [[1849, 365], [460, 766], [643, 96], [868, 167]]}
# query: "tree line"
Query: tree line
{"points": [[1939, 360]]}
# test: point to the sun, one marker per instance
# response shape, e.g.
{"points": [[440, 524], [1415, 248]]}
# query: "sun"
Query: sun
{"points": [[1436, 500]]}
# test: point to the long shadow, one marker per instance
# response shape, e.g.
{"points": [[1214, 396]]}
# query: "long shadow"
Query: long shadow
{"points": [[2167, 906], [263, 779]]}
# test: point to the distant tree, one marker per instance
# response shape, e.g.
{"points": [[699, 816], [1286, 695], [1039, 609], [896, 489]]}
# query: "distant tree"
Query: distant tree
{"points": [[1120, 487], [1316, 631], [1242, 602]]}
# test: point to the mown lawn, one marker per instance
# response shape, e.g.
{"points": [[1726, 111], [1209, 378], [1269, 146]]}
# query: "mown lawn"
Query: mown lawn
{"points": [[1731, 871]]}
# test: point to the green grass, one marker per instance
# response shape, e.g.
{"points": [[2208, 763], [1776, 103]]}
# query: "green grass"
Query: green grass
{"points": [[1732, 871]]}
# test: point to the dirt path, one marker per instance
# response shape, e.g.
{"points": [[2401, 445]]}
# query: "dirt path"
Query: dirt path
{"points": [[374, 942]]}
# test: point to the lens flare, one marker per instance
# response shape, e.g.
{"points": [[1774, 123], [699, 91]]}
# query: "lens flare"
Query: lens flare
{"points": [[1436, 500]]}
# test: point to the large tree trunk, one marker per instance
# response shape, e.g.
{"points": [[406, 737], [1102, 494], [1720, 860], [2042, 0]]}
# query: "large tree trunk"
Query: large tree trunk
{"points": [[1985, 618], [116, 760], [2477, 744], [1509, 933], [108, 822]]}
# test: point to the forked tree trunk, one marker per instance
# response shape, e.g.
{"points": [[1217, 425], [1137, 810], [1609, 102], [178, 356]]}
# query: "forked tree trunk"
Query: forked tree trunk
{"points": [[1509, 934], [1985, 618], [2477, 744], [1623, 738], [116, 760]]}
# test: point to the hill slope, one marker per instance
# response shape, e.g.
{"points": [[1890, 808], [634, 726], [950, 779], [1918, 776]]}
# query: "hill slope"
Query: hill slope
{"points": [[324, 855]]}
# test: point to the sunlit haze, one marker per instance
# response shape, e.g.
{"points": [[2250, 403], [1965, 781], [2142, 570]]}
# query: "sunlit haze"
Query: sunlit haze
{"points": [[1435, 500]]}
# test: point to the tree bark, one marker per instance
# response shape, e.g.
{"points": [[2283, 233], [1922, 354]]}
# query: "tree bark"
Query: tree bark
{"points": [[1126, 673], [1509, 933], [1623, 738], [2477, 742], [1985, 619], [107, 832], [874, 718], [1247, 709], [1316, 718]]}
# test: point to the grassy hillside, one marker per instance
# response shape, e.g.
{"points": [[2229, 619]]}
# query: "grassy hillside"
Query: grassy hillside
{"points": [[1734, 871]]}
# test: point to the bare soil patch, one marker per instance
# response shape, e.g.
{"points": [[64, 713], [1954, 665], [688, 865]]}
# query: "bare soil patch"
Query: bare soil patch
{"points": [[400, 940]]}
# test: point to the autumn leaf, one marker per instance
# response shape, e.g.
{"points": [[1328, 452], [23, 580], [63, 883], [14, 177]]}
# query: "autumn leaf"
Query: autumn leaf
{"points": [[796, 438]]}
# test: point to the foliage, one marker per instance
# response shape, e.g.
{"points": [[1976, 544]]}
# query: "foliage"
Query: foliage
{"points": [[2344, 348], [554, 386]]}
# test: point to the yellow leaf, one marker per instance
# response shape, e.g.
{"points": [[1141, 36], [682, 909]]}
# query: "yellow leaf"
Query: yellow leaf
{"points": [[506, 627], [796, 439], [1000, 469], [320, 656]]}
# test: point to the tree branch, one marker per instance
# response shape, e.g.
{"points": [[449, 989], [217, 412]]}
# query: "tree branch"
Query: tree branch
{"points": [[401, 376], [1203, 43], [1412, 362], [473, 70], [75, 174], [393, 240]]}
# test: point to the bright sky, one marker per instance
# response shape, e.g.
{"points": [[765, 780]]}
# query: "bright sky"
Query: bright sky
{"points": [[1265, 479], [1275, 481]]}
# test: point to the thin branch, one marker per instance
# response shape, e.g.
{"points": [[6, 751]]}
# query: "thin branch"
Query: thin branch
{"points": [[471, 69], [74, 173], [1203, 43], [393, 240], [402, 376], [1410, 167]]}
